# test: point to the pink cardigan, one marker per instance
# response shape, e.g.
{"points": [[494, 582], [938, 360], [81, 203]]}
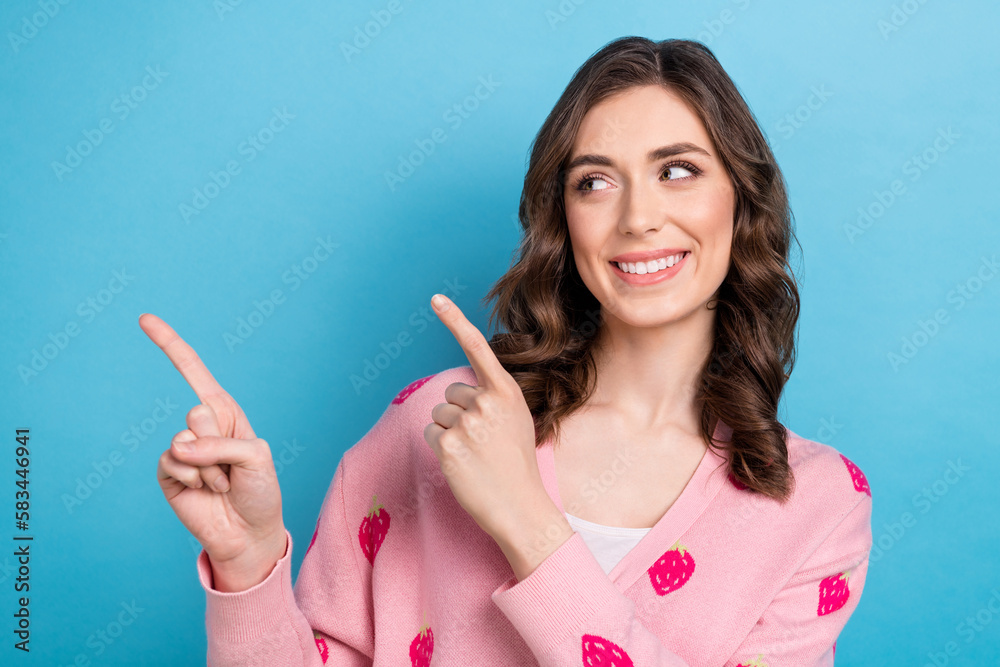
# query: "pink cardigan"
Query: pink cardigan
{"points": [[398, 574]]}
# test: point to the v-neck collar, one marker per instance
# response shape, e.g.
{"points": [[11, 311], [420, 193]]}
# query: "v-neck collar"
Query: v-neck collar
{"points": [[703, 486]]}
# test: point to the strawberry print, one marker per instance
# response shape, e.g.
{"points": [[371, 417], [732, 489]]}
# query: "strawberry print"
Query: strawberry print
{"points": [[756, 662], [833, 593], [313, 541], [410, 388], [373, 529], [324, 650], [601, 651], [735, 482], [422, 646], [858, 477], [672, 570]]}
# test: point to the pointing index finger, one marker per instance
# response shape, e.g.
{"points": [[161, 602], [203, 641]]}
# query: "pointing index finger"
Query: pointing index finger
{"points": [[182, 355], [488, 368]]}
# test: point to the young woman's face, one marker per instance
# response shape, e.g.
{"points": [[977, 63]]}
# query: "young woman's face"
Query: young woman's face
{"points": [[643, 175]]}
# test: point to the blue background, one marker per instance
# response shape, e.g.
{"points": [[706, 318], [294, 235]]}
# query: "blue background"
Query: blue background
{"points": [[849, 93]]}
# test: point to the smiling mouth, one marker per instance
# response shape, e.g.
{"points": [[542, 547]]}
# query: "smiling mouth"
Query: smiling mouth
{"points": [[652, 266]]}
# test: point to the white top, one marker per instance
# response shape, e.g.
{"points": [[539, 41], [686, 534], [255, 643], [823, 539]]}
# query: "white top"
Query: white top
{"points": [[609, 544]]}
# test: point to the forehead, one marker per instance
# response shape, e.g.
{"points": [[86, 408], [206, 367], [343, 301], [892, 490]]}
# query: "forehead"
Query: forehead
{"points": [[632, 121]]}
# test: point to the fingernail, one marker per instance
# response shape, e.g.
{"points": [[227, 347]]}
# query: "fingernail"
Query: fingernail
{"points": [[221, 484], [440, 303], [184, 447]]}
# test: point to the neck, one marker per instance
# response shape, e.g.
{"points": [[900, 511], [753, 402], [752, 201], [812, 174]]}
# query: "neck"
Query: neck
{"points": [[650, 375]]}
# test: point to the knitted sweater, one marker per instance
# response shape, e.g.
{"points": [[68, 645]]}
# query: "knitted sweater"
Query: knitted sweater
{"points": [[397, 573]]}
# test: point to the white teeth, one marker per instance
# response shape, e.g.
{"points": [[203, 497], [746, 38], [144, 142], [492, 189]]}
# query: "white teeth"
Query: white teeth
{"points": [[641, 268]]}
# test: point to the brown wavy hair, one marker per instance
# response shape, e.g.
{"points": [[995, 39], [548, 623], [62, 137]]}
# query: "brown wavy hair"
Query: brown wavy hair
{"points": [[550, 316]]}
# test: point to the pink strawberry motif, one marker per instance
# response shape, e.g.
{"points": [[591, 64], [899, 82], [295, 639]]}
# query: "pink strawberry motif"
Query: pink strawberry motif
{"points": [[422, 646], [600, 651], [313, 541], [672, 570], [324, 650], [858, 477], [833, 593], [373, 529], [739, 485], [756, 662], [410, 388]]}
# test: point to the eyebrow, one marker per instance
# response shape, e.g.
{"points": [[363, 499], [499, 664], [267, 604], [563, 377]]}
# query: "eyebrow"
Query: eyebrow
{"points": [[652, 156]]}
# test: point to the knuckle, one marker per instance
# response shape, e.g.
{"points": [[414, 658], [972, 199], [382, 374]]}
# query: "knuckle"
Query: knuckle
{"points": [[262, 449], [200, 411], [476, 344], [487, 403], [449, 443], [468, 421]]}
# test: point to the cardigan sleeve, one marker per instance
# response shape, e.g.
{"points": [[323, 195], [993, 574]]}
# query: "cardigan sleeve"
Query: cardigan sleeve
{"points": [[568, 610], [801, 624], [324, 620]]}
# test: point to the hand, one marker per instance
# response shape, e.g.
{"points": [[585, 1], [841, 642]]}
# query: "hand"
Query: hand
{"points": [[239, 522], [484, 438]]}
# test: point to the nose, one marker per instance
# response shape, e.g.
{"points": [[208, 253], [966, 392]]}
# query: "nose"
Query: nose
{"points": [[641, 211]]}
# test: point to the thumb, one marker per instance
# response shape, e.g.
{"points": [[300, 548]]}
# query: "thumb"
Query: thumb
{"points": [[203, 422]]}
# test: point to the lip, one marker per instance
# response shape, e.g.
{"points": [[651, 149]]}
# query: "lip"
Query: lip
{"points": [[646, 255], [649, 278]]}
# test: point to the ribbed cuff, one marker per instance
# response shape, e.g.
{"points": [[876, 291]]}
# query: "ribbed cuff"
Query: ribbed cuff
{"points": [[246, 615], [558, 598]]}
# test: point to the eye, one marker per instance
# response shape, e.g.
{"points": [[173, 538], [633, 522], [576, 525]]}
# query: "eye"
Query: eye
{"points": [[593, 179], [682, 166]]}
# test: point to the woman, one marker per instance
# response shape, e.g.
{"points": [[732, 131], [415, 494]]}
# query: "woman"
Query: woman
{"points": [[619, 490]]}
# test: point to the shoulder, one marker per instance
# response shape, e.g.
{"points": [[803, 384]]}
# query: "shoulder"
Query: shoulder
{"points": [[400, 428], [826, 519], [426, 391], [825, 470], [829, 490], [393, 463], [829, 486]]}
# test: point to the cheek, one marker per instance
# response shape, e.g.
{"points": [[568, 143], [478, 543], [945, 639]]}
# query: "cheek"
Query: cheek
{"points": [[716, 216], [584, 236]]}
